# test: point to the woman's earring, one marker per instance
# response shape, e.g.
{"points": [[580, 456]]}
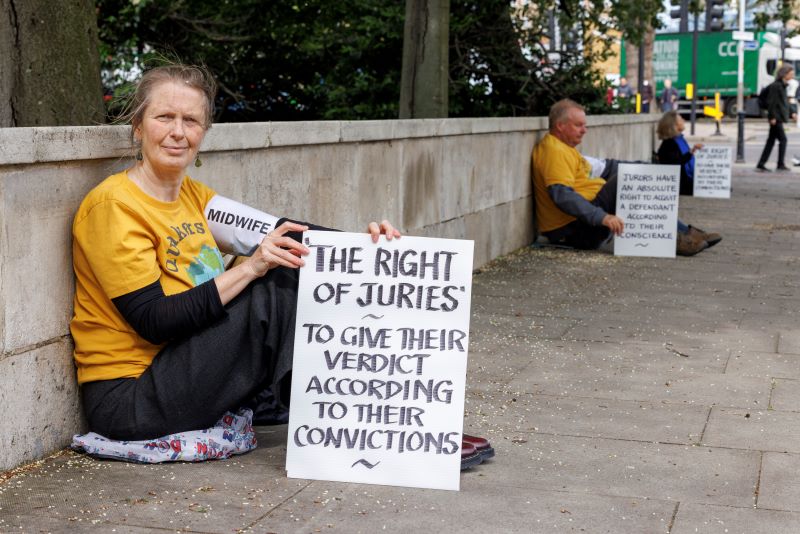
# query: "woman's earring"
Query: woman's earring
{"points": [[139, 156], [198, 162]]}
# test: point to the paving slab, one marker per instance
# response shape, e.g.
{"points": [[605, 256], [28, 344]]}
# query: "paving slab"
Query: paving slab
{"points": [[709, 519], [511, 416], [789, 340], [489, 325], [785, 395], [666, 386], [760, 430], [769, 364], [358, 509], [204, 497], [625, 468], [779, 488]]}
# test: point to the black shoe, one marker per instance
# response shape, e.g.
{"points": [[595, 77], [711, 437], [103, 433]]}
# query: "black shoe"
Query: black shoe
{"points": [[761, 168], [782, 168]]}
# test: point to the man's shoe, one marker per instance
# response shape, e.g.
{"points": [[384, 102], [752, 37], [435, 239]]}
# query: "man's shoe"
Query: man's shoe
{"points": [[689, 245], [711, 238], [470, 457], [796, 161], [761, 168], [481, 444], [783, 168]]}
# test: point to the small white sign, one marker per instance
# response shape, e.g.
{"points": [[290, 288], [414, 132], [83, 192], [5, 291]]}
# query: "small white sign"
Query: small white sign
{"points": [[712, 171], [739, 35], [751, 45], [380, 360], [647, 202]]}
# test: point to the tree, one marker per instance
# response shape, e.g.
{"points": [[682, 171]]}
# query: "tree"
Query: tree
{"points": [[49, 64], [317, 59], [279, 60], [520, 61], [783, 11], [423, 83]]}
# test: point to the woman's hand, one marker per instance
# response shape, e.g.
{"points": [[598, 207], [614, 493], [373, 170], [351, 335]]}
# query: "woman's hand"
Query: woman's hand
{"points": [[385, 228], [698, 146], [278, 249]]}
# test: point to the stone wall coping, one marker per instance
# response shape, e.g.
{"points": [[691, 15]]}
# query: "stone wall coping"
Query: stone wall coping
{"points": [[19, 146]]}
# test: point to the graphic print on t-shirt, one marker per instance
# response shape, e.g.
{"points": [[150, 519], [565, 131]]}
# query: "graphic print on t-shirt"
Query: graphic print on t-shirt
{"points": [[206, 265]]}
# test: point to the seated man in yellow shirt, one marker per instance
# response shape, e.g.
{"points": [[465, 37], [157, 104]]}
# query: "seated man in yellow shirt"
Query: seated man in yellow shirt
{"points": [[572, 207]]}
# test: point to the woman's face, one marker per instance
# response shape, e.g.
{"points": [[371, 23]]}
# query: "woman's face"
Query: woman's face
{"points": [[680, 124], [172, 127]]}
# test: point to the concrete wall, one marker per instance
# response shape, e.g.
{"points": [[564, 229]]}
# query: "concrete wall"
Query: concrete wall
{"points": [[458, 178]]}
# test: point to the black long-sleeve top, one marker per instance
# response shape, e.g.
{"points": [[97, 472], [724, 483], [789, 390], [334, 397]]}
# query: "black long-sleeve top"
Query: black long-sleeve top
{"points": [[669, 153], [158, 318]]}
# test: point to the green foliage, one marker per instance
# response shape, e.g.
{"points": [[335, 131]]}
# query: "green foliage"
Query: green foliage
{"points": [[279, 60], [317, 59], [633, 18], [782, 11]]}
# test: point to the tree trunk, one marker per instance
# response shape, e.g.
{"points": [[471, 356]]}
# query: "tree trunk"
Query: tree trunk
{"points": [[49, 64], [424, 77], [632, 64], [632, 60], [649, 40]]}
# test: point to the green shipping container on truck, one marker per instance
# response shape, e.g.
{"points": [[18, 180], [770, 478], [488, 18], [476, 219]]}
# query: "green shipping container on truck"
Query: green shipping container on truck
{"points": [[717, 64]]}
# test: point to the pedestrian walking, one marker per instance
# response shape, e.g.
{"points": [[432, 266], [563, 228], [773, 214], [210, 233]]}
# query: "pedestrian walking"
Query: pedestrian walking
{"points": [[778, 112]]}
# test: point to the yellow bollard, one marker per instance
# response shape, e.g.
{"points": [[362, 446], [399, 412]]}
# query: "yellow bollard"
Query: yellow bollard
{"points": [[638, 103], [689, 91]]}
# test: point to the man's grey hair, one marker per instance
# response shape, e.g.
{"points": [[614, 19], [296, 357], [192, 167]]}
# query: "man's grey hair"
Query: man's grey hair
{"points": [[783, 71], [560, 111]]}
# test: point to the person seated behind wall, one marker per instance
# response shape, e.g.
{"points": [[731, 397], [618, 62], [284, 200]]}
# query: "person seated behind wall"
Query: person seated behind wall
{"points": [[675, 150], [572, 207]]}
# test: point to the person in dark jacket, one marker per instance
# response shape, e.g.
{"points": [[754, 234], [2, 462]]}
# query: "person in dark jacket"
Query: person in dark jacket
{"points": [[647, 96], [778, 112], [675, 150]]}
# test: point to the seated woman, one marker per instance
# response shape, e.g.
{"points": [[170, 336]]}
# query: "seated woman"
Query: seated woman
{"points": [[675, 150], [166, 340]]}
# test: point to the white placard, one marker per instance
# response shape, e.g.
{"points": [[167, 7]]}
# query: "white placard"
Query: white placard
{"points": [[647, 201], [380, 360], [237, 228], [738, 35], [712, 171]]}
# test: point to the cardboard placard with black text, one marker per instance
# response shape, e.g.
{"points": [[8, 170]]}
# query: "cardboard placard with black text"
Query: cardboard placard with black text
{"points": [[647, 202], [712, 171], [380, 360]]}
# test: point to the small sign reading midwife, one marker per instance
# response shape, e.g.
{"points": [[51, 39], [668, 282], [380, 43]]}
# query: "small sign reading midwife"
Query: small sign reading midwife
{"points": [[712, 172], [647, 201], [380, 360]]}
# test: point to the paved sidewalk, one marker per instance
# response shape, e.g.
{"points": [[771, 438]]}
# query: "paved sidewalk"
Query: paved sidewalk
{"points": [[621, 394]]}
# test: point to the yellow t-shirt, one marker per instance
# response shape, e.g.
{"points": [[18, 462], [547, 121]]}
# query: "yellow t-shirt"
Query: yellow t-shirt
{"points": [[124, 240], [555, 162]]}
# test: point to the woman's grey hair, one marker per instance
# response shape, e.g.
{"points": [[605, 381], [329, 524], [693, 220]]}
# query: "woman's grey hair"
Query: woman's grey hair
{"points": [[668, 125], [193, 76], [783, 71], [560, 110]]}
